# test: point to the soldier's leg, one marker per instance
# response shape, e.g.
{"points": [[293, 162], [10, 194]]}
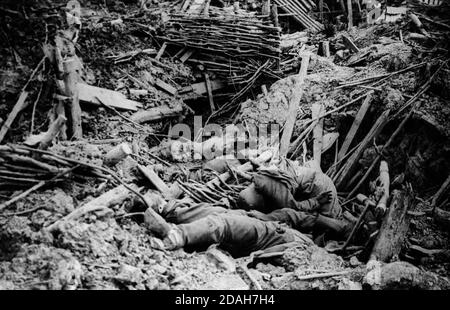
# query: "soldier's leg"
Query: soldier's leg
{"points": [[323, 183], [299, 220], [240, 235], [277, 194], [179, 213], [251, 199], [306, 222]]}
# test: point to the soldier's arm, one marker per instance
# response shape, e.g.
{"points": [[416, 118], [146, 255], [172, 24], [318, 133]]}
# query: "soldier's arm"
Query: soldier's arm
{"points": [[307, 205]]}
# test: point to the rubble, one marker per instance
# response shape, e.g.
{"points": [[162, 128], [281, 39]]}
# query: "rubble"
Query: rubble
{"points": [[91, 95]]}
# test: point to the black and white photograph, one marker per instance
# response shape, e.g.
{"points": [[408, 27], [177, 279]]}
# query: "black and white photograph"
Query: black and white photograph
{"points": [[224, 150]]}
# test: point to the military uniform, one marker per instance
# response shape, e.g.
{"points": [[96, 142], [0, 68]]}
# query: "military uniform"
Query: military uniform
{"points": [[204, 224]]}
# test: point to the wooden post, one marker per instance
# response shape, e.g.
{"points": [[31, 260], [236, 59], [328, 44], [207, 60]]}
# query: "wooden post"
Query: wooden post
{"points": [[71, 89], [344, 9], [350, 14], [326, 48], [206, 9], [266, 8], [293, 107], [275, 15]]}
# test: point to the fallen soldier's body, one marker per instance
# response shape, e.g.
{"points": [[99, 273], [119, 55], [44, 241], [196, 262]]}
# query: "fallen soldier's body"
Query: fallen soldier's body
{"points": [[297, 194], [201, 225], [295, 187]]}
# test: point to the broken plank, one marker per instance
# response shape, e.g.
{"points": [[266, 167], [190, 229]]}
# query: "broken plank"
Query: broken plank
{"points": [[349, 44], [155, 114], [293, 107], [355, 126], [88, 94], [109, 97], [151, 175], [317, 110], [186, 55], [19, 106], [166, 87], [200, 88], [161, 51]]}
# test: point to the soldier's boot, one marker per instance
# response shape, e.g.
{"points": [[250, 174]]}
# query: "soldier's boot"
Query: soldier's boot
{"points": [[338, 228], [174, 239], [156, 223]]}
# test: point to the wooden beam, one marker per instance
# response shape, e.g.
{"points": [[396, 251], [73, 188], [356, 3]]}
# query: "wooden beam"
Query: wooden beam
{"points": [[350, 14], [155, 114], [355, 126], [317, 110], [88, 93], [71, 90], [200, 88], [274, 11], [19, 106], [293, 107], [349, 43], [326, 48], [266, 8], [353, 160], [166, 87]]}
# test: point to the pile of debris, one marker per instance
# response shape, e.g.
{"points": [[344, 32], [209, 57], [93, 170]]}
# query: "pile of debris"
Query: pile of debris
{"points": [[367, 108]]}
